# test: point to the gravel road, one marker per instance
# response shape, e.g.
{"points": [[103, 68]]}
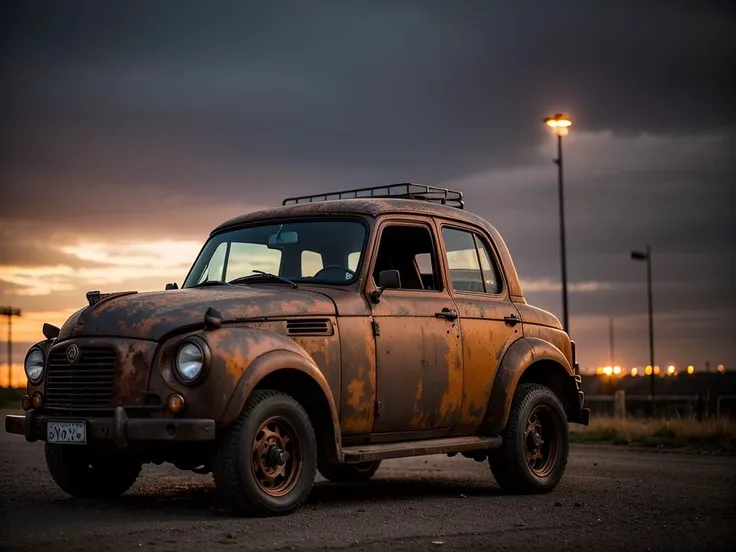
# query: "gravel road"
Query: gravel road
{"points": [[609, 499]]}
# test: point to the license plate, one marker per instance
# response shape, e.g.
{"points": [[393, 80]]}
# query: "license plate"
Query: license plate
{"points": [[66, 432]]}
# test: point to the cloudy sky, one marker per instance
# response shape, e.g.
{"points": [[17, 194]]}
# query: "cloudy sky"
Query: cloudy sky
{"points": [[130, 129]]}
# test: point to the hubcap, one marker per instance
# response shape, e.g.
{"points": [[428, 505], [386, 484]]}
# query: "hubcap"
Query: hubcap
{"points": [[276, 456], [541, 441]]}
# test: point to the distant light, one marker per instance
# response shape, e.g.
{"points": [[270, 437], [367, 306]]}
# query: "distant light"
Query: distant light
{"points": [[634, 371], [690, 369], [617, 370], [599, 370], [559, 123], [671, 370], [656, 369], [608, 370], [721, 368], [648, 370]]}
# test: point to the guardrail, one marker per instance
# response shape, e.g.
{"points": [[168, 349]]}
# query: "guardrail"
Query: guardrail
{"points": [[620, 404]]}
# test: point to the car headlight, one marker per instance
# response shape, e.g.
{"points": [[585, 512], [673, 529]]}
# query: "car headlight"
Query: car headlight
{"points": [[34, 365], [190, 361]]}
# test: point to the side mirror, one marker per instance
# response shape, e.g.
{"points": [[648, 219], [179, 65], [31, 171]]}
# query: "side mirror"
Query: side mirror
{"points": [[50, 331], [387, 279], [172, 286]]}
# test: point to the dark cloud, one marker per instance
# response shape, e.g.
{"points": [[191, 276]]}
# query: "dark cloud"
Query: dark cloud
{"points": [[429, 87]]}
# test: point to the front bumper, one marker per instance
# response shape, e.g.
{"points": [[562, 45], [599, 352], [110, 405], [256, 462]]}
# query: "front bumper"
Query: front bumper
{"points": [[120, 429], [581, 414]]}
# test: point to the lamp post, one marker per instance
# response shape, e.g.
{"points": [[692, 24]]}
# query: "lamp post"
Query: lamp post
{"points": [[560, 124], [647, 256]]}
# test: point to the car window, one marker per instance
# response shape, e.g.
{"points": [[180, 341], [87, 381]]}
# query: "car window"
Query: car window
{"points": [[311, 263], [298, 250], [462, 260], [469, 262], [244, 258], [410, 250], [213, 270], [353, 260], [490, 274]]}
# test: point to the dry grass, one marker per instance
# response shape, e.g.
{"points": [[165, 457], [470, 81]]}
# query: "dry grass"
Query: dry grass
{"points": [[679, 432]]}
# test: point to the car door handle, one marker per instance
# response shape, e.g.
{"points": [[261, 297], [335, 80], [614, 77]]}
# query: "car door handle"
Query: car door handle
{"points": [[448, 314], [511, 319]]}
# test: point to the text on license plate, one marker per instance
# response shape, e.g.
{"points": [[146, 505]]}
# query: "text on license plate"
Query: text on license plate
{"points": [[66, 432]]}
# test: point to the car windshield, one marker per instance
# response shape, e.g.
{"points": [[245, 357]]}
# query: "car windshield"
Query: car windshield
{"points": [[314, 251]]}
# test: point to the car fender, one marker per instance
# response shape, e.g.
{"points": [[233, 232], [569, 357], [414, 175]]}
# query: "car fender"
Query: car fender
{"points": [[240, 357], [517, 359], [273, 361]]}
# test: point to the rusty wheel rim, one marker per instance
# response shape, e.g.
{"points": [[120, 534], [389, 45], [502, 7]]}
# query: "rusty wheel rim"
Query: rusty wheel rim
{"points": [[541, 441], [276, 456]]}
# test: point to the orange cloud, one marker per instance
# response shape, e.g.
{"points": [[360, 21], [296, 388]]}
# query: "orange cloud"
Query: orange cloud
{"points": [[113, 263]]}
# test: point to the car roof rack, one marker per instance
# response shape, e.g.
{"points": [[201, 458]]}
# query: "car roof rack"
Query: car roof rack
{"points": [[407, 190]]}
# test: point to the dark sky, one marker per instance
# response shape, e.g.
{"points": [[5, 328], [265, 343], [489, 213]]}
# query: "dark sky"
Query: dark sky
{"points": [[157, 120]]}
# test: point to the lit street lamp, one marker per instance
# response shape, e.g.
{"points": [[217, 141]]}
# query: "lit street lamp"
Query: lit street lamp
{"points": [[560, 124], [641, 256]]}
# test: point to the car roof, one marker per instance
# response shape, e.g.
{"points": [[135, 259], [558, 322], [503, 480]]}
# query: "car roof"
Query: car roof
{"points": [[374, 207], [365, 207]]}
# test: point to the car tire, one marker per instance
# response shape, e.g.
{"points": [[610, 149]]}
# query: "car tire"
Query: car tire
{"points": [[266, 461], [536, 443], [346, 473], [82, 472]]}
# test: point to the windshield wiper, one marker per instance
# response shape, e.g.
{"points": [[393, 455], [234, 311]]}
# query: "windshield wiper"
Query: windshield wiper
{"points": [[212, 283], [263, 276]]}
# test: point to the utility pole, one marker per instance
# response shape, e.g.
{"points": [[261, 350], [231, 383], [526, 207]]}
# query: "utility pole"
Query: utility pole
{"points": [[610, 339], [10, 312], [647, 256]]}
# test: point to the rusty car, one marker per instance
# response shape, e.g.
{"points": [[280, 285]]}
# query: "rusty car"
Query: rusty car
{"points": [[326, 334]]}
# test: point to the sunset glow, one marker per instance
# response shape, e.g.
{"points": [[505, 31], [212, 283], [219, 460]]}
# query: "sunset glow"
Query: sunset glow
{"points": [[18, 379]]}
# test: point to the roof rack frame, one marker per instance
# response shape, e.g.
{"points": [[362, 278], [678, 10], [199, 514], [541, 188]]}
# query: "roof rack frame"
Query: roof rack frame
{"points": [[406, 190]]}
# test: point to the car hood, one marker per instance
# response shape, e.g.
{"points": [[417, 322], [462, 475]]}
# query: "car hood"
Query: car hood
{"points": [[152, 315]]}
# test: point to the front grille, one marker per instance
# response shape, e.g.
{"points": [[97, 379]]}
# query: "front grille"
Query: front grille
{"points": [[308, 327], [86, 383]]}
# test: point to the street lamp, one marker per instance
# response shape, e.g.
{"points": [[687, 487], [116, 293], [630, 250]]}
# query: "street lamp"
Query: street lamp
{"points": [[560, 124], [647, 256]]}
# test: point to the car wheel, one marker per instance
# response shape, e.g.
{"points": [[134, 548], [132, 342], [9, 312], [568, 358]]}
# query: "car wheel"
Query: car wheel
{"points": [[83, 472], [536, 443], [266, 461], [344, 473]]}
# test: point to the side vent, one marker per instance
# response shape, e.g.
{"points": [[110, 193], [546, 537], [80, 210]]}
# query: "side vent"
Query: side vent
{"points": [[309, 327]]}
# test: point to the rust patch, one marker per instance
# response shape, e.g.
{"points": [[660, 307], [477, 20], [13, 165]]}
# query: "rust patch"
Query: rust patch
{"points": [[134, 361], [485, 339], [233, 350], [152, 315], [326, 354], [452, 398], [357, 379], [360, 407], [421, 418], [415, 345]]}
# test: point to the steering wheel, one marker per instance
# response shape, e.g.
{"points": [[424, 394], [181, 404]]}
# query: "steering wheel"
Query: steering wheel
{"points": [[333, 267]]}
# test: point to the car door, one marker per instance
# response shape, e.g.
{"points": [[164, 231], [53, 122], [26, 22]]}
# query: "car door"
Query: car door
{"points": [[488, 319], [418, 342]]}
